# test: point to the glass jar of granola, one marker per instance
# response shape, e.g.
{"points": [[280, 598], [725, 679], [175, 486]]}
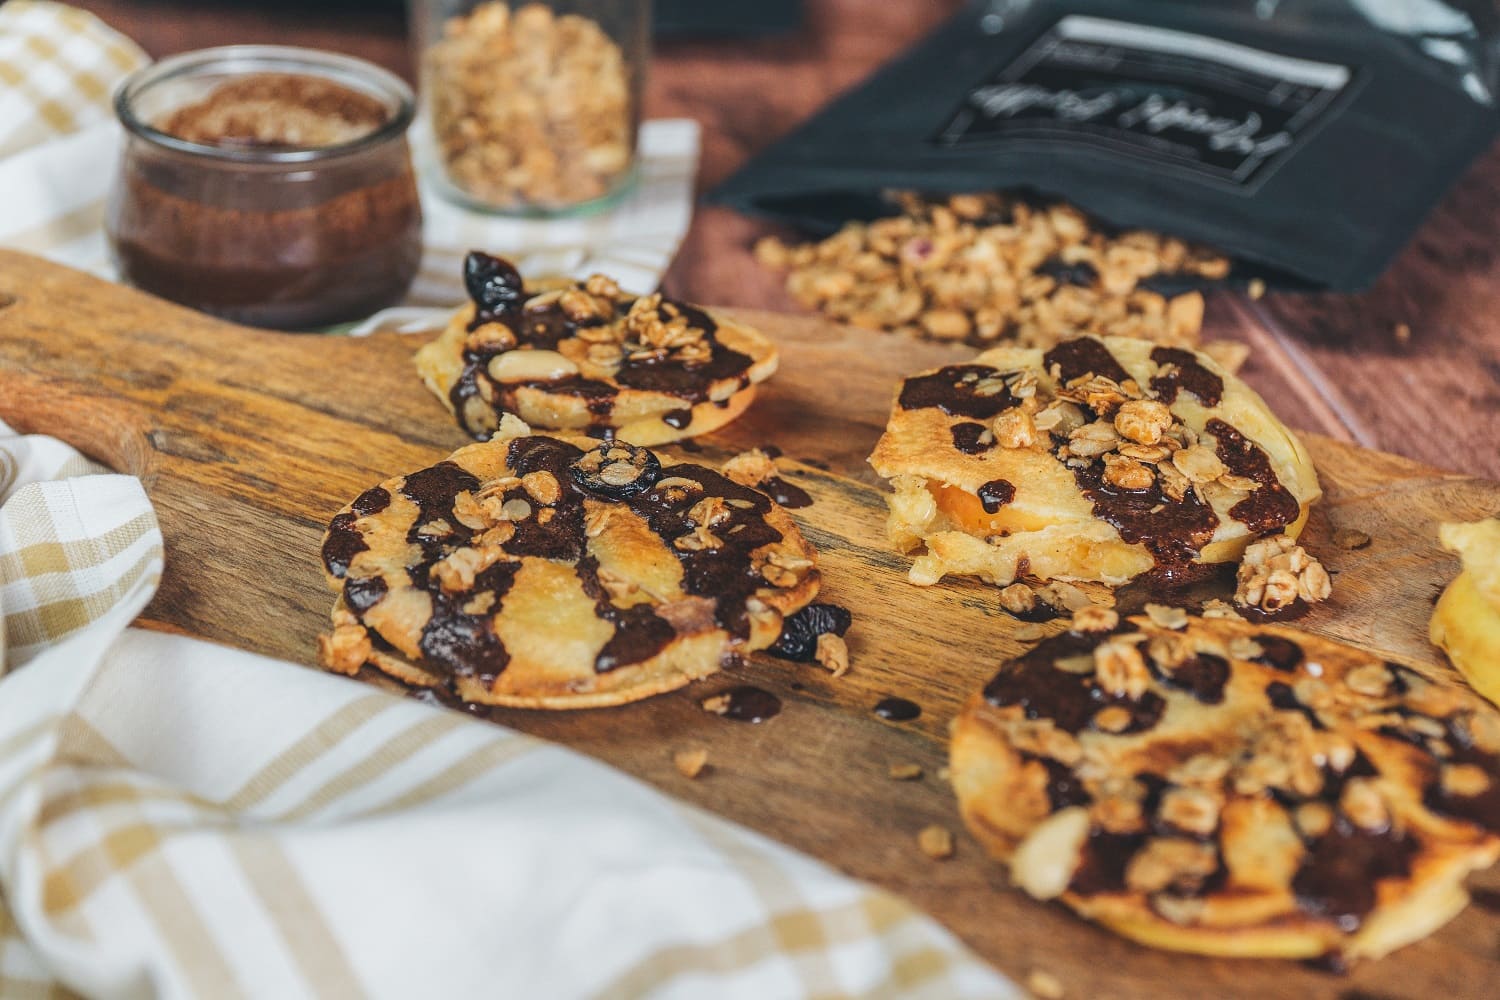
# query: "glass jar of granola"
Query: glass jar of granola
{"points": [[531, 108]]}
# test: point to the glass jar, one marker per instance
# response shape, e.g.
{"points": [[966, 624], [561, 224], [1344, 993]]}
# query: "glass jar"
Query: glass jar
{"points": [[532, 108], [268, 185]]}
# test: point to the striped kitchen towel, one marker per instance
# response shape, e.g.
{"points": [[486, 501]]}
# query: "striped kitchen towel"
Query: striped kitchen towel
{"points": [[179, 819], [59, 67]]}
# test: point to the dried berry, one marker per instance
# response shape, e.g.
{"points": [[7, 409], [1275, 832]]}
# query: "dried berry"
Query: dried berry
{"points": [[494, 284], [616, 470], [800, 632]]}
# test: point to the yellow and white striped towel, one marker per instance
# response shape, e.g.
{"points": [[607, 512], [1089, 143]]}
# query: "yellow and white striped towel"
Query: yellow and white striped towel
{"points": [[179, 819], [59, 144]]}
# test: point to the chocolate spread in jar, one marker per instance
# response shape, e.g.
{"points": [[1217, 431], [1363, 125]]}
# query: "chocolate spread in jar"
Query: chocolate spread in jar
{"points": [[229, 231]]}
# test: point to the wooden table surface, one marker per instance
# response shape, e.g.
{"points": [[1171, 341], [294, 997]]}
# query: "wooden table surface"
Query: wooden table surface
{"points": [[1343, 365]]}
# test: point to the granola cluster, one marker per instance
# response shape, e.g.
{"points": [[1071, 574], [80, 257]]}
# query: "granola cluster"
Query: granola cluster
{"points": [[1276, 572], [985, 268], [530, 108]]}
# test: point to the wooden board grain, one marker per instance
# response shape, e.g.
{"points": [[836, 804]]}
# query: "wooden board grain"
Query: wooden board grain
{"points": [[248, 442]]}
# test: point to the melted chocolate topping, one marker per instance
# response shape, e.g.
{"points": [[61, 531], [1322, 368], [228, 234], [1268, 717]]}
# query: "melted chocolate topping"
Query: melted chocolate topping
{"points": [[342, 544], [1203, 676], [1338, 876], [361, 593], [785, 493], [1070, 700], [996, 494], [1172, 531], [1081, 357], [1064, 788], [640, 633], [678, 419], [463, 644], [1268, 507], [952, 390], [434, 490], [1281, 654], [1186, 373], [1281, 696], [723, 574], [966, 438], [371, 501], [897, 709], [1482, 809], [495, 287], [751, 704], [1105, 857]]}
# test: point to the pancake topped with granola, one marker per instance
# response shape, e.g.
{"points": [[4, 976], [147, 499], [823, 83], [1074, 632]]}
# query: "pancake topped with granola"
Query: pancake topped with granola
{"points": [[589, 357], [1213, 786], [1099, 459], [555, 572]]}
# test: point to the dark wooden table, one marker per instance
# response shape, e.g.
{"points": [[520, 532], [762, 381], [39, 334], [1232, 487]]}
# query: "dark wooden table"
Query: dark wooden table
{"points": [[1411, 366]]}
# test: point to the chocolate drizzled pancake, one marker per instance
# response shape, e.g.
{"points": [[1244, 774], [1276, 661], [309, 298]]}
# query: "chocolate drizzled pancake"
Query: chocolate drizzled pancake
{"points": [[1232, 789], [591, 358], [548, 572], [1100, 459]]}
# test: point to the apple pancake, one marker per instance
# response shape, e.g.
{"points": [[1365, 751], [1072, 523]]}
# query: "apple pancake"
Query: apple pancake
{"points": [[1466, 621], [547, 572], [1219, 787], [1100, 459], [587, 357]]}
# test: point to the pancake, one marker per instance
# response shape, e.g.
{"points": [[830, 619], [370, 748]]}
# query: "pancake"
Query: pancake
{"points": [[1466, 621], [1232, 789], [1097, 460], [549, 572], [587, 357]]}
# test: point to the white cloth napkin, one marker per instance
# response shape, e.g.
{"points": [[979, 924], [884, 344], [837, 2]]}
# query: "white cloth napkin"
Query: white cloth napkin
{"points": [[59, 147], [180, 819]]}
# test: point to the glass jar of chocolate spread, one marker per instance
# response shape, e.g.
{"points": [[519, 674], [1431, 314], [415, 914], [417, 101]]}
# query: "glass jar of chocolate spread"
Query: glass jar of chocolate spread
{"points": [[267, 185]]}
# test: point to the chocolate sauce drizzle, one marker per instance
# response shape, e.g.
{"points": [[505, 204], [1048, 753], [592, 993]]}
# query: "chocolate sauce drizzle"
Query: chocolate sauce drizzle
{"points": [[342, 543], [750, 704], [1278, 653], [954, 390], [967, 438], [1270, 505], [1071, 701], [1482, 809], [1185, 373], [1173, 531], [895, 709], [787, 494], [499, 296], [996, 494], [1339, 874], [1081, 357]]}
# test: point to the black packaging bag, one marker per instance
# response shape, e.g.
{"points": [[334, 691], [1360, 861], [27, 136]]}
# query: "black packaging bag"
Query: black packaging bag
{"points": [[1307, 138]]}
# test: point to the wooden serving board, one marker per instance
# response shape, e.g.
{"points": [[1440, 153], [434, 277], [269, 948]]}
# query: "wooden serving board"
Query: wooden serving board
{"points": [[249, 441]]}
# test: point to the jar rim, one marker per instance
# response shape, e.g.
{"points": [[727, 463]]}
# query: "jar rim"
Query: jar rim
{"points": [[240, 59]]}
